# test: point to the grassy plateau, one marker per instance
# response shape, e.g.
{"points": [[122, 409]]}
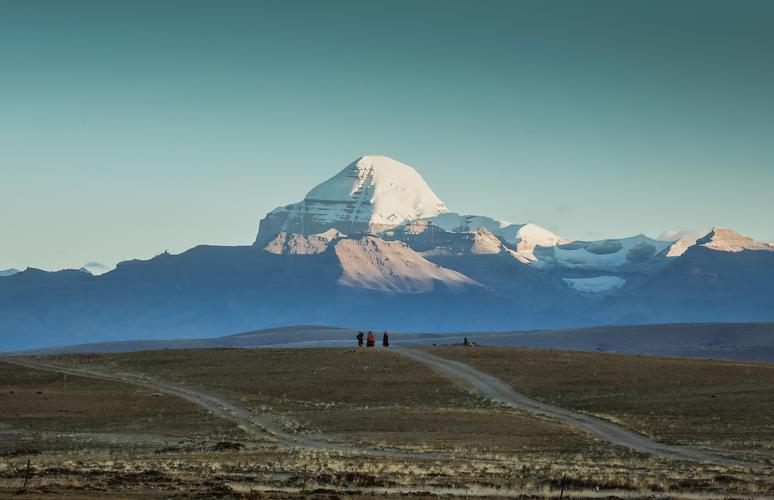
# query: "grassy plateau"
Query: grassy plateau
{"points": [[372, 423]]}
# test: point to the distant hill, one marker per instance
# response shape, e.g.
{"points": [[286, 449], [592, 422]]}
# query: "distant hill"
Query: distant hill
{"points": [[740, 341]]}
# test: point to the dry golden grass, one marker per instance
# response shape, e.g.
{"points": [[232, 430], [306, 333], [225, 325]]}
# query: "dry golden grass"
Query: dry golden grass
{"points": [[294, 473], [719, 404], [376, 397], [288, 379], [484, 430], [41, 410], [380, 398]]}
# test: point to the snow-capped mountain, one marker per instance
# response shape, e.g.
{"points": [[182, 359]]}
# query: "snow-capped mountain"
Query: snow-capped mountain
{"points": [[519, 240], [371, 194], [624, 254], [373, 245], [379, 195], [512, 234]]}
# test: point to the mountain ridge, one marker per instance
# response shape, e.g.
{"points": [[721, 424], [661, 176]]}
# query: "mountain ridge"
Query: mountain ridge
{"points": [[374, 245]]}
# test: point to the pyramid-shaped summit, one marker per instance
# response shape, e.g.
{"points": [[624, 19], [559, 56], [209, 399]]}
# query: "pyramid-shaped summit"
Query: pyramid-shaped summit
{"points": [[371, 194]]}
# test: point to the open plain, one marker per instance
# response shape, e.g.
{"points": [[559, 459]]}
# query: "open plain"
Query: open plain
{"points": [[364, 423]]}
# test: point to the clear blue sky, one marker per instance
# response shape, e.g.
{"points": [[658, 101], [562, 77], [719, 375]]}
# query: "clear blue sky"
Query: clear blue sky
{"points": [[127, 128]]}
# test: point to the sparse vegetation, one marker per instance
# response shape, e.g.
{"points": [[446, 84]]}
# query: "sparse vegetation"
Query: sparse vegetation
{"points": [[289, 379], [722, 405], [42, 411], [368, 396], [456, 444]]}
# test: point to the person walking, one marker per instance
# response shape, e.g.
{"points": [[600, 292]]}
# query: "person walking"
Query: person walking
{"points": [[370, 340], [385, 339], [360, 339]]}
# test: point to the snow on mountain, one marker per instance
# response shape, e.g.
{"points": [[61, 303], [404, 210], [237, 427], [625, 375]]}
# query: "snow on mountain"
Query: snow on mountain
{"points": [[8, 272], [609, 255], [532, 236], [596, 284], [391, 266], [430, 240], [370, 195], [510, 233], [376, 194], [726, 240], [539, 236], [298, 244], [522, 239]]}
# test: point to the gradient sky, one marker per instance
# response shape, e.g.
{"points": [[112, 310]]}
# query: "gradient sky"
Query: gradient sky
{"points": [[128, 128]]}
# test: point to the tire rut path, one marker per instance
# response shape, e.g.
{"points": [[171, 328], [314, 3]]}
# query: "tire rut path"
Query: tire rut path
{"points": [[496, 390], [261, 426]]}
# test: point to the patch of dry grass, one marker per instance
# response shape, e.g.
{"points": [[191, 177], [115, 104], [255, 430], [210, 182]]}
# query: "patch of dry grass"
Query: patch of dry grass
{"points": [[294, 473], [287, 379], [41, 410], [371, 396], [452, 429], [380, 398], [718, 404]]}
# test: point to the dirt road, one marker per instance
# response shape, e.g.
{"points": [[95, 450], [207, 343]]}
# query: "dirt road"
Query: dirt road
{"points": [[262, 426], [267, 428], [498, 391]]}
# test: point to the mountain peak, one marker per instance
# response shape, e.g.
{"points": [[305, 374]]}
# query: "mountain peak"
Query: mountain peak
{"points": [[380, 191], [727, 240], [371, 194]]}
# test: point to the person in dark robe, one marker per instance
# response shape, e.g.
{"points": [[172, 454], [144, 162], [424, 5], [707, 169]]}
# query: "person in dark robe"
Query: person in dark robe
{"points": [[386, 340], [360, 339]]}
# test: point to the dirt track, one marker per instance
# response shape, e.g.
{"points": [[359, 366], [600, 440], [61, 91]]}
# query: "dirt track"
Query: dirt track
{"points": [[498, 391], [267, 428], [261, 426]]}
